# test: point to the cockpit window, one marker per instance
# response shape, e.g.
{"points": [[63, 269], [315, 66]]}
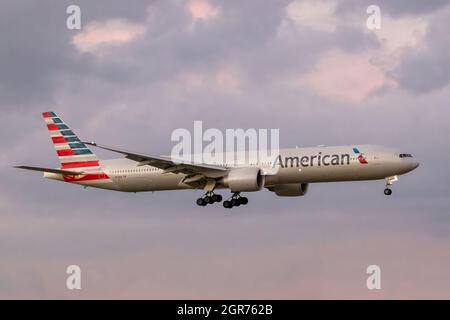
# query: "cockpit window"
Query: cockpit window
{"points": [[405, 155]]}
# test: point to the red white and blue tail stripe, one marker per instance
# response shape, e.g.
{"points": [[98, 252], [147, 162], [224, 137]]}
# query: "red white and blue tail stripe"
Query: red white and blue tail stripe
{"points": [[73, 154]]}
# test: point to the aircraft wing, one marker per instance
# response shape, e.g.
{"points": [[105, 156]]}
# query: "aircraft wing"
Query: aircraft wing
{"points": [[167, 164], [58, 171]]}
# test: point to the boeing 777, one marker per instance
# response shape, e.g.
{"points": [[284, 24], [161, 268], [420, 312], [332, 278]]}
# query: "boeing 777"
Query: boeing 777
{"points": [[295, 168]]}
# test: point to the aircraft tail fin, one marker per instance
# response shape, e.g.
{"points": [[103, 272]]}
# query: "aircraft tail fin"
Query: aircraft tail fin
{"points": [[72, 153]]}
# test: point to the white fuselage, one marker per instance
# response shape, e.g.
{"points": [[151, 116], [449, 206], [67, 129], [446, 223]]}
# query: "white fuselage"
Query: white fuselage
{"points": [[297, 165]]}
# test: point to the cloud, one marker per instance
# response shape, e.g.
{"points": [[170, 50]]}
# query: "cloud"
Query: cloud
{"points": [[427, 68], [226, 78], [109, 32], [201, 9], [318, 15], [397, 37], [396, 8], [355, 76], [229, 78], [352, 77], [401, 33]]}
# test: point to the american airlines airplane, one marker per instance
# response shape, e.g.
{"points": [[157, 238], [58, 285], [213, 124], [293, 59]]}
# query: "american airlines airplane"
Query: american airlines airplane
{"points": [[295, 169]]}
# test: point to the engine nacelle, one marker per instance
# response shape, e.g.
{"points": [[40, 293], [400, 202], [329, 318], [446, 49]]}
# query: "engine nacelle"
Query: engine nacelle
{"points": [[244, 179], [290, 189]]}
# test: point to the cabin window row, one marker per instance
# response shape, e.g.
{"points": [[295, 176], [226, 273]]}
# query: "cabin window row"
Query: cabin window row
{"points": [[135, 170]]}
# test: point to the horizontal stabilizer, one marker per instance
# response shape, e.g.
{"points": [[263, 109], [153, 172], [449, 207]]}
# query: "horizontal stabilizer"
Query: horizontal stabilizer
{"points": [[57, 171]]}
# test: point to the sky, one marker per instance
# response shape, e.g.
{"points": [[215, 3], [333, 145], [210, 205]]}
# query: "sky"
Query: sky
{"points": [[138, 70]]}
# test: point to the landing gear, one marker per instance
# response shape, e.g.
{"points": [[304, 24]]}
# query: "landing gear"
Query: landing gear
{"points": [[201, 202], [235, 201], [389, 182], [243, 200], [216, 198], [209, 198], [227, 204]]}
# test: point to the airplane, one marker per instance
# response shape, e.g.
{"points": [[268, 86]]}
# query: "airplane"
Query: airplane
{"points": [[296, 168]]}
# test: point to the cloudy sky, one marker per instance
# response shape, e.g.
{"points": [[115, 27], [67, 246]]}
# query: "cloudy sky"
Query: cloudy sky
{"points": [[137, 70]]}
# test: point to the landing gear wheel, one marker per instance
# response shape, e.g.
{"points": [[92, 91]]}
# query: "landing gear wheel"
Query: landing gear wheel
{"points": [[243, 200], [234, 202], [227, 204], [387, 191], [201, 202], [216, 198], [208, 199]]}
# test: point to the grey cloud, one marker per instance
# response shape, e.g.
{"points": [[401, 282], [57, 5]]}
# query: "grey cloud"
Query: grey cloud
{"points": [[32, 51], [414, 6], [428, 69], [37, 54], [133, 10], [395, 8], [40, 62]]}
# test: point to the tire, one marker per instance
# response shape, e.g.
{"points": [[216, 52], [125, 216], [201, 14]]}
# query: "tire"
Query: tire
{"points": [[387, 192], [243, 200], [234, 202], [218, 198], [201, 202], [208, 199], [215, 198], [227, 204]]}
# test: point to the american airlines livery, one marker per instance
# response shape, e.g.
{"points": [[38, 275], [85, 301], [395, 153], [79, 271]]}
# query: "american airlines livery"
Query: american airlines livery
{"points": [[294, 168]]}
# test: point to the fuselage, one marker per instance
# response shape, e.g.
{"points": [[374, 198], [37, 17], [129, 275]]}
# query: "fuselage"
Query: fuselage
{"points": [[295, 165]]}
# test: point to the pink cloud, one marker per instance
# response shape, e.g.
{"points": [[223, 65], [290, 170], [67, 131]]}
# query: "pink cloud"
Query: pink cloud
{"points": [[229, 78], [346, 76], [201, 10], [114, 31], [317, 15]]}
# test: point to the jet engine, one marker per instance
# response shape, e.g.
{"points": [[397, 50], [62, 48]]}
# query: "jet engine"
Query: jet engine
{"points": [[290, 189], [244, 179]]}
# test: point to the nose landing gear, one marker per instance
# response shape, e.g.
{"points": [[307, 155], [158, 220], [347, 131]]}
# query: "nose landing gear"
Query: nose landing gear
{"points": [[389, 182], [235, 201]]}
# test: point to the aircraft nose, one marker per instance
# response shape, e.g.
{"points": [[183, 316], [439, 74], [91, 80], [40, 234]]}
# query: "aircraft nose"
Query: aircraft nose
{"points": [[409, 164], [413, 165]]}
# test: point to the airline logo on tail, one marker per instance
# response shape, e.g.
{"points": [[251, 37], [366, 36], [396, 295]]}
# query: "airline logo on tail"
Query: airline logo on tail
{"points": [[361, 157], [72, 153]]}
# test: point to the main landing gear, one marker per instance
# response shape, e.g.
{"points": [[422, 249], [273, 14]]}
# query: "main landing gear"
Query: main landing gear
{"points": [[235, 201], [209, 198], [389, 182]]}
